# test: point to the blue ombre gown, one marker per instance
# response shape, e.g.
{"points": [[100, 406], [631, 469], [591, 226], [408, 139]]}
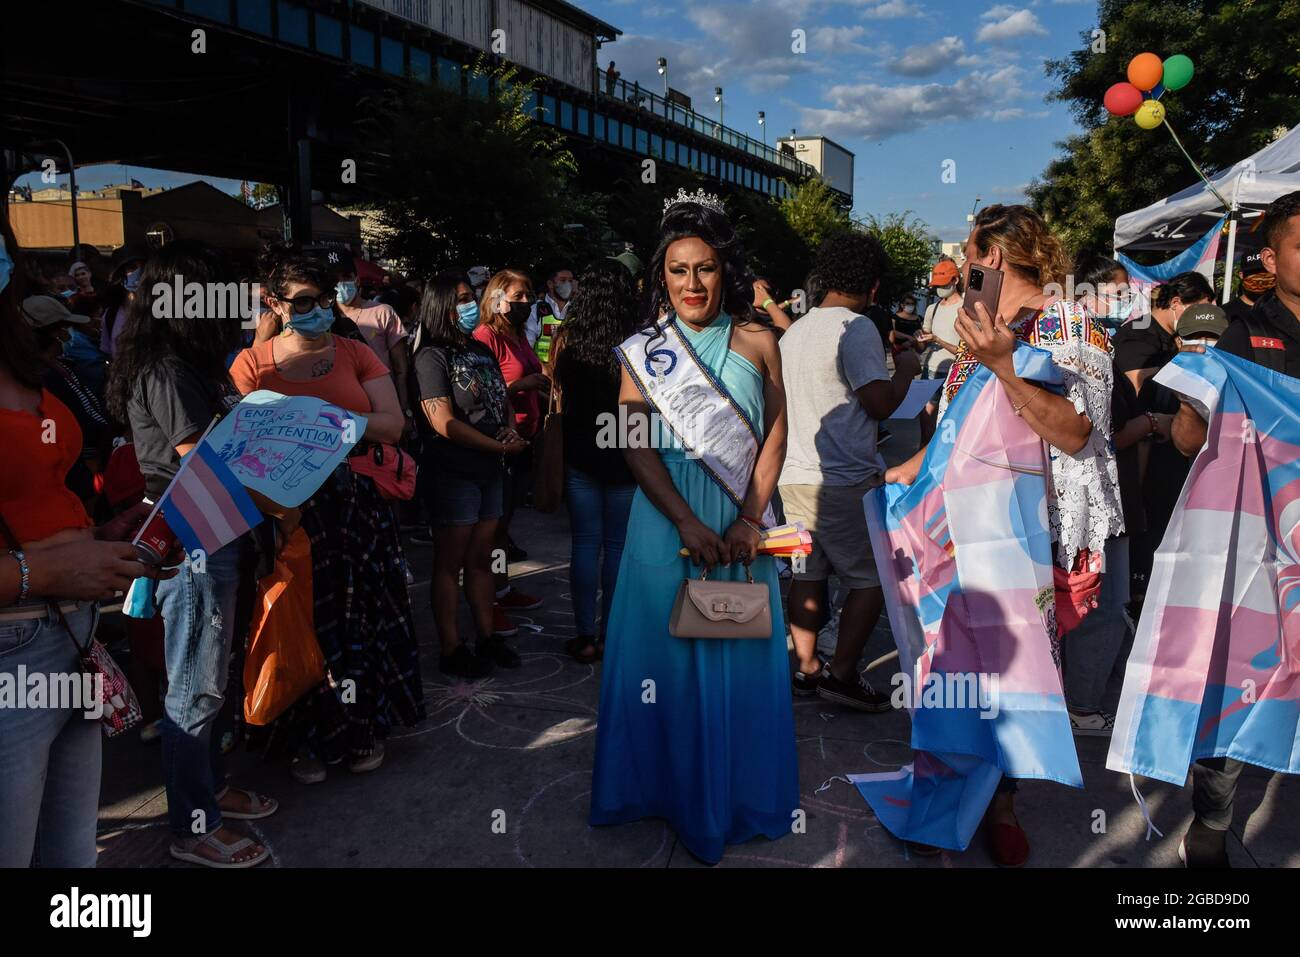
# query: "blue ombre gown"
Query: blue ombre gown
{"points": [[715, 753]]}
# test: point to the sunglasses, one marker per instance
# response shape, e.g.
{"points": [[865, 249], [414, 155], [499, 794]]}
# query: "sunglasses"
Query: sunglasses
{"points": [[304, 304]]}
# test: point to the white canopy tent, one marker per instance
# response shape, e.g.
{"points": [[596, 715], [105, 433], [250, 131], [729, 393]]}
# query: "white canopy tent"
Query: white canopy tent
{"points": [[1247, 186]]}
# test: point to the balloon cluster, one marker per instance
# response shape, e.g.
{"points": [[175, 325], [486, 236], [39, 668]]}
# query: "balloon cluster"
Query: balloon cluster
{"points": [[1148, 79]]}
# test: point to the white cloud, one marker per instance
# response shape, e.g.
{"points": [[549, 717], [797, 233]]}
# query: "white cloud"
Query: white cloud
{"points": [[924, 59], [891, 10], [873, 111], [1007, 23]]}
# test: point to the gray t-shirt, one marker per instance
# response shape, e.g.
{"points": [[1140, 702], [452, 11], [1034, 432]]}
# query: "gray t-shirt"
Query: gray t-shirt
{"points": [[825, 357]]}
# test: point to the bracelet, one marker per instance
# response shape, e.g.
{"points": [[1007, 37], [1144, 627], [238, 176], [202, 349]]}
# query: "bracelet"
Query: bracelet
{"points": [[756, 526], [767, 302], [24, 573], [1155, 423], [1017, 409]]}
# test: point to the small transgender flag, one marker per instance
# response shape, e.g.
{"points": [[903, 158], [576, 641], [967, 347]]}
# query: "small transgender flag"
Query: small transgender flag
{"points": [[205, 505]]}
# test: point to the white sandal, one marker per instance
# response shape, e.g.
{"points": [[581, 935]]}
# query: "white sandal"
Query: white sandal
{"points": [[188, 851], [265, 806]]}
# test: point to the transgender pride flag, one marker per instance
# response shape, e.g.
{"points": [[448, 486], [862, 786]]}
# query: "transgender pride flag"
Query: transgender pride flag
{"points": [[205, 504], [965, 560], [1215, 668]]}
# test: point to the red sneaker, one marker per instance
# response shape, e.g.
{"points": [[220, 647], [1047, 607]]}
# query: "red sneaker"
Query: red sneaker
{"points": [[502, 624], [515, 600]]}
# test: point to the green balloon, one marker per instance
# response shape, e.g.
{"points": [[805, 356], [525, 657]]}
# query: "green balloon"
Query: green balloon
{"points": [[1178, 72]]}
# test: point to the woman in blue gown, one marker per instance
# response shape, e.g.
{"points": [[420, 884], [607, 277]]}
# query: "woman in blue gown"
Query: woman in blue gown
{"points": [[698, 731]]}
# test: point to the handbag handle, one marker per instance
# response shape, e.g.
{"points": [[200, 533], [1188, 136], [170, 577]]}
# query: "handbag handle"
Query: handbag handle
{"points": [[749, 575]]}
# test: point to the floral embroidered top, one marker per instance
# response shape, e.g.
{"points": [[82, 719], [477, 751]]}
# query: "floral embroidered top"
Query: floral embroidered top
{"points": [[1083, 503]]}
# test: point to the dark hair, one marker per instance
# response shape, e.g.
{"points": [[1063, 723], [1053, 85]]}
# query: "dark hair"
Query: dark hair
{"points": [[1276, 216], [406, 297], [686, 220], [293, 266], [1187, 286], [1095, 269], [437, 314], [556, 268], [849, 261], [601, 315], [20, 355], [202, 343]]}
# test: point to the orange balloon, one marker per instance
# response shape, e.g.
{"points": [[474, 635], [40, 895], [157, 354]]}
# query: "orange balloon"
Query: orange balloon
{"points": [[1145, 71]]}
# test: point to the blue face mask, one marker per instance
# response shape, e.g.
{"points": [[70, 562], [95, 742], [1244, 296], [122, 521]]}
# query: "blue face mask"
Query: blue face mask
{"points": [[467, 316], [346, 292], [6, 266], [68, 293], [311, 325], [132, 280], [1120, 310]]}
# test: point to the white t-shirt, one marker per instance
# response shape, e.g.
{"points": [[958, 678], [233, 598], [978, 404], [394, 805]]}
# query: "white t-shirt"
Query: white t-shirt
{"points": [[941, 320], [825, 357]]}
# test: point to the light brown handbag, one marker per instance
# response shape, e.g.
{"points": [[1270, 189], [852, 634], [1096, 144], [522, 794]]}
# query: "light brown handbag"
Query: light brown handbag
{"points": [[717, 609]]}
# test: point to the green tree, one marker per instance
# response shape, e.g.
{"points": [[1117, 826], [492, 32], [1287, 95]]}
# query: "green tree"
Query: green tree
{"points": [[1246, 87], [910, 249], [812, 213], [477, 181]]}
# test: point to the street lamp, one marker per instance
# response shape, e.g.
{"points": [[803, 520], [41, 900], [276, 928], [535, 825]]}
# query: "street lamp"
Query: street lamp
{"points": [[717, 98], [762, 125], [663, 72]]}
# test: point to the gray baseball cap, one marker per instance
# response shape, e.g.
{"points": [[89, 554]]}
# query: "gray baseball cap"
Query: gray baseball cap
{"points": [[1205, 319], [43, 311]]}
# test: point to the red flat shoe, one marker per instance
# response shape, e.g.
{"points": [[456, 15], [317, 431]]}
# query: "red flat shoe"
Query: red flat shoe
{"points": [[1008, 844]]}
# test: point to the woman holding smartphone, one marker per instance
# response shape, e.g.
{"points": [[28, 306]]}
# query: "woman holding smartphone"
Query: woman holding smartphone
{"points": [[1013, 243]]}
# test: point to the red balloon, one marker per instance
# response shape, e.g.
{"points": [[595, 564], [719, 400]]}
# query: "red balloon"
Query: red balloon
{"points": [[1123, 99]]}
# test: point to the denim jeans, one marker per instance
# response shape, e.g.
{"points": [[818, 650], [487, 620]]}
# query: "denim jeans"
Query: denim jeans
{"points": [[49, 757], [198, 610], [1090, 650], [598, 516]]}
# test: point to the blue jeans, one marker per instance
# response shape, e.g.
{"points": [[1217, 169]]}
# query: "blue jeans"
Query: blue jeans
{"points": [[598, 516], [49, 757], [198, 610], [1090, 650]]}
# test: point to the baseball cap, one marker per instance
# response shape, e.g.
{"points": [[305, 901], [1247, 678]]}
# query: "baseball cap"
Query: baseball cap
{"points": [[629, 260], [478, 275], [1251, 264], [1200, 320], [43, 311], [943, 274]]}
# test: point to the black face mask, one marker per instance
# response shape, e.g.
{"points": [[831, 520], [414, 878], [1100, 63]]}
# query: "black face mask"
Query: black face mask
{"points": [[519, 312]]}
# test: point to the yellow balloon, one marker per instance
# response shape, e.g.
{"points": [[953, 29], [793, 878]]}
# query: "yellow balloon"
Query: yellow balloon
{"points": [[1149, 115]]}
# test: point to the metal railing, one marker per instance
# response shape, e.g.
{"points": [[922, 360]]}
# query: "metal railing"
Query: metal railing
{"points": [[654, 103]]}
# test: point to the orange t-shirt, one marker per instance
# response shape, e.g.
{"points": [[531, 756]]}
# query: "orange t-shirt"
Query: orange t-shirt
{"points": [[354, 364], [39, 451]]}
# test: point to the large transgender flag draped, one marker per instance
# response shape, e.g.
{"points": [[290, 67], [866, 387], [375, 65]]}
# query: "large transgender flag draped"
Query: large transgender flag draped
{"points": [[1199, 257], [965, 559], [1215, 664]]}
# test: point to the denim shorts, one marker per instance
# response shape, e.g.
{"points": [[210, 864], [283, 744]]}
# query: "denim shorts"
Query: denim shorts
{"points": [[466, 500]]}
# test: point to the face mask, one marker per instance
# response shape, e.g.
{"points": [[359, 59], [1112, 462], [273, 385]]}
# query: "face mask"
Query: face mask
{"points": [[1120, 309], [311, 325], [564, 289], [1206, 343], [943, 292], [346, 292], [68, 293], [519, 312], [132, 280], [467, 316], [909, 309], [6, 266]]}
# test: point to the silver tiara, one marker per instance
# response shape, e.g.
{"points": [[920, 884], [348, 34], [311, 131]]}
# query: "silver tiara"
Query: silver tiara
{"points": [[699, 197]]}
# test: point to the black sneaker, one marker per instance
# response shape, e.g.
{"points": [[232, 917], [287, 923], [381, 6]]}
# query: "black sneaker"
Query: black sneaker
{"points": [[859, 695], [1203, 847], [513, 552], [496, 650], [464, 664], [806, 685]]}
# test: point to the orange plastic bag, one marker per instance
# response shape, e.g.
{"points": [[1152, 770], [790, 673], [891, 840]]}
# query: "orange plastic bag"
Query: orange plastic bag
{"points": [[284, 659]]}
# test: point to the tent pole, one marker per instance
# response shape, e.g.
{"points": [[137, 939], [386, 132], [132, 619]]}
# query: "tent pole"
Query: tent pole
{"points": [[1227, 259]]}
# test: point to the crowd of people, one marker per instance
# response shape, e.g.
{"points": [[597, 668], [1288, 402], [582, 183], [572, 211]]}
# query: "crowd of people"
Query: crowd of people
{"points": [[103, 393]]}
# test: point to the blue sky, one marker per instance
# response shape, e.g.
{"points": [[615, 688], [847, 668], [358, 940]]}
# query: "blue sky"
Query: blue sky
{"points": [[904, 84]]}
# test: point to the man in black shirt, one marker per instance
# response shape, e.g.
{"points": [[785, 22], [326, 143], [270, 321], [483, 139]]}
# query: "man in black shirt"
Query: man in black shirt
{"points": [[1268, 335], [1256, 284]]}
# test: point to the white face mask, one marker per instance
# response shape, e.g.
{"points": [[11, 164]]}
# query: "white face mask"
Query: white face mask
{"points": [[943, 292], [564, 289]]}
